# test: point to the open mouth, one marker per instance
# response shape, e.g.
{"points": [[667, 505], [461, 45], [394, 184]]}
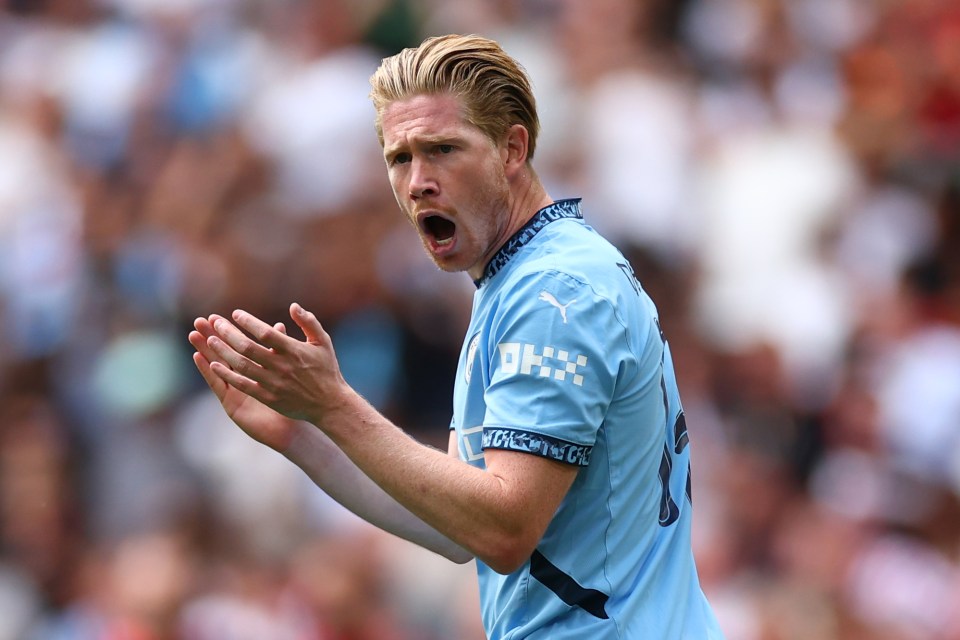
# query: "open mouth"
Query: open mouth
{"points": [[439, 229]]}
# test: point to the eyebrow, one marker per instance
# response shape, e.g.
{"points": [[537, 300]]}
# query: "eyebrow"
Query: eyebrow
{"points": [[424, 142]]}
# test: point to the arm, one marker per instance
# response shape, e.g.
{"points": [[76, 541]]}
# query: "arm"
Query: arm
{"points": [[319, 457], [342, 480], [498, 514]]}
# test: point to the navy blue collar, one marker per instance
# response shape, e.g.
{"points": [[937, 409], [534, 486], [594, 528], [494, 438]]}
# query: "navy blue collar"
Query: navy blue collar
{"points": [[568, 208]]}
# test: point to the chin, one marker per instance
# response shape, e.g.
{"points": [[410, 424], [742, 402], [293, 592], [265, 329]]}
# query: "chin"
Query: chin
{"points": [[449, 265]]}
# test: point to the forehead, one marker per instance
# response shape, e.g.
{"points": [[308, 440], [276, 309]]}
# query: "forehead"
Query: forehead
{"points": [[424, 116]]}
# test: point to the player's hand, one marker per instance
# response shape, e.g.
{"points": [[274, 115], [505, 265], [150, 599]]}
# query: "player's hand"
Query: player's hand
{"points": [[257, 420], [298, 378]]}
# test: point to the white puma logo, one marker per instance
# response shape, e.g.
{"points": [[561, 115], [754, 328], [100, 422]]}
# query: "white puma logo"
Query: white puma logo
{"points": [[547, 297]]}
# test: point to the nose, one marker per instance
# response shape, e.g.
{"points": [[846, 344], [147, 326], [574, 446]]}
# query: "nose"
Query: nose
{"points": [[422, 182]]}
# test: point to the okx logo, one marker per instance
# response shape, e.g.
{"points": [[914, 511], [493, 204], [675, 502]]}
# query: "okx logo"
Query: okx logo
{"points": [[524, 359]]}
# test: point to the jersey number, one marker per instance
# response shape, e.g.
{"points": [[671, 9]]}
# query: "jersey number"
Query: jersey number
{"points": [[677, 438], [677, 441], [669, 511]]}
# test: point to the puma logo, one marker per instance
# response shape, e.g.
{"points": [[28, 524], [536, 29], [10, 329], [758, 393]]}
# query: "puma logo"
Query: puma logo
{"points": [[547, 297]]}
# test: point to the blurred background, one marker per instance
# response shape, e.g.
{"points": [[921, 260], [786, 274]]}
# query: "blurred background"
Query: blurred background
{"points": [[783, 174]]}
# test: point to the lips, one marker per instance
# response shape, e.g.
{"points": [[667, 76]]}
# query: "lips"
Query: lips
{"points": [[438, 229]]}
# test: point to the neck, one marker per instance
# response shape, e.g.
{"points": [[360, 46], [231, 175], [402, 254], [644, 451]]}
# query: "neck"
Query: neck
{"points": [[527, 196]]}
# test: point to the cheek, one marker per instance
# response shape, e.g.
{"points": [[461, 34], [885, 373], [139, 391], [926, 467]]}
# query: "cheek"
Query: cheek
{"points": [[492, 185], [394, 184], [398, 195], [402, 202]]}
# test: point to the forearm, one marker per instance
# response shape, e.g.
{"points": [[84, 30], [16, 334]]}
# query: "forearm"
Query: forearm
{"points": [[474, 508], [342, 480]]}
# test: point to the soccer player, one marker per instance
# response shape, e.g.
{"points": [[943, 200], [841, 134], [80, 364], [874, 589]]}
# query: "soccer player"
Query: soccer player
{"points": [[567, 475]]}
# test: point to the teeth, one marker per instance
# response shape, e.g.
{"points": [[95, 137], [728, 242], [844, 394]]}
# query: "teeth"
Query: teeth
{"points": [[443, 243]]}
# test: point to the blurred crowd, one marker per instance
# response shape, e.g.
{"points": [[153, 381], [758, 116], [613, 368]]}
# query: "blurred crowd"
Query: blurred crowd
{"points": [[784, 176]]}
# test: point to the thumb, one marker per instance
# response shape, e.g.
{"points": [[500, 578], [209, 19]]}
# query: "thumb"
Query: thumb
{"points": [[308, 323]]}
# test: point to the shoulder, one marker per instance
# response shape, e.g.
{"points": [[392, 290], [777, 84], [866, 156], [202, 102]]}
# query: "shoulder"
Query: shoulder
{"points": [[552, 300], [573, 259]]}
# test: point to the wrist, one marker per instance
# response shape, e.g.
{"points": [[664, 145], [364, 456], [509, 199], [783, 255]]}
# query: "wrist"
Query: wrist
{"points": [[340, 407]]}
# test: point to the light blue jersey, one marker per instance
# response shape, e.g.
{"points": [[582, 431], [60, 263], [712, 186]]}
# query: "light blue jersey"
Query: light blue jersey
{"points": [[564, 358]]}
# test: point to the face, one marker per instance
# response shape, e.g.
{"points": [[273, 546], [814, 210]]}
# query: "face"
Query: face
{"points": [[448, 178]]}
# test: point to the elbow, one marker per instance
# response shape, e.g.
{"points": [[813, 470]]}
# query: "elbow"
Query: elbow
{"points": [[509, 556], [458, 555], [507, 564]]}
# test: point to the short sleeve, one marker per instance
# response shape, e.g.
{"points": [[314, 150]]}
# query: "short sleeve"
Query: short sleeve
{"points": [[555, 351]]}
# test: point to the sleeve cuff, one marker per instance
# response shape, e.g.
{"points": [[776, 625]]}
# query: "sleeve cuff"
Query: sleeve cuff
{"points": [[537, 444]]}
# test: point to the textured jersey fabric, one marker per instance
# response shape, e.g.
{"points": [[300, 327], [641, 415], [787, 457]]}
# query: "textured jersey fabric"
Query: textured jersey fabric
{"points": [[564, 358]]}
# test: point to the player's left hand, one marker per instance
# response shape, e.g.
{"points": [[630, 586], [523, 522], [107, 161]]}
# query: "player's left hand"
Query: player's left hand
{"points": [[298, 378]]}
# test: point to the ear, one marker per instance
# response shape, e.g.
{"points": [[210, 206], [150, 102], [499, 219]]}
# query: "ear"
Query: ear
{"points": [[515, 150]]}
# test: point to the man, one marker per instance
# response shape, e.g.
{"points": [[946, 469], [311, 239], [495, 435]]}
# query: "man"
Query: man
{"points": [[567, 474]]}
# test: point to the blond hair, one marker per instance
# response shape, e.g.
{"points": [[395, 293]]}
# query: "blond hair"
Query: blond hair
{"points": [[495, 89]]}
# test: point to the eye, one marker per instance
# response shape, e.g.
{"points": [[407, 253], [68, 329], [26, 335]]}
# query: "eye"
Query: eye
{"points": [[400, 158], [445, 148]]}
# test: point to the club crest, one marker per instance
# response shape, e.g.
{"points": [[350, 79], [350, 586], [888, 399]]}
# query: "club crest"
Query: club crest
{"points": [[471, 355]]}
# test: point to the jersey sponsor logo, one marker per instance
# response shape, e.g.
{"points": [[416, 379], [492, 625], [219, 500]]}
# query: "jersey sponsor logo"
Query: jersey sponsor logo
{"points": [[549, 298], [538, 444], [521, 358], [471, 355]]}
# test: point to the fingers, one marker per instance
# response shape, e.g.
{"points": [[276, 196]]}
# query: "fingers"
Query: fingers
{"points": [[198, 338], [217, 341], [238, 342], [227, 355], [309, 324], [216, 360], [252, 357], [265, 335], [241, 382], [214, 381], [228, 359], [205, 355]]}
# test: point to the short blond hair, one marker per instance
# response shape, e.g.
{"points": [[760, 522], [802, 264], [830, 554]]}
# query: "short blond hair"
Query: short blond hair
{"points": [[494, 87]]}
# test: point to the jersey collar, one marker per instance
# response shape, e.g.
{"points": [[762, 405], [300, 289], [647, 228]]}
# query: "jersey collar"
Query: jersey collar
{"points": [[567, 208]]}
